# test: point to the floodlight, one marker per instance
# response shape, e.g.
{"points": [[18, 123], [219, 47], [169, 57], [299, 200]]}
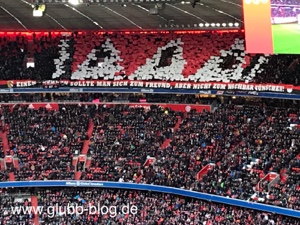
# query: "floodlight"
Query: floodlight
{"points": [[74, 2], [37, 13], [38, 10]]}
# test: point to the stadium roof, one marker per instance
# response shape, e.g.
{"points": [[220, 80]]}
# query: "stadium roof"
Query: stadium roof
{"points": [[17, 15]]}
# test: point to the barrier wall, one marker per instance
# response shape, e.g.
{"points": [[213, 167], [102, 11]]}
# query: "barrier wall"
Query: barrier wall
{"points": [[263, 91], [156, 188], [55, 105], [281, 20]]}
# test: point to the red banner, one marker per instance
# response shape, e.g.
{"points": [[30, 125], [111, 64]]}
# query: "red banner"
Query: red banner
{"points": [[49, 106], [159, 84]]}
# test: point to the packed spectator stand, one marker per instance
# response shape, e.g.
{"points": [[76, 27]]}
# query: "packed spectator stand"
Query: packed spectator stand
{"points": [[153, 208], [248, 152], [285, 12], [285, 8], [285, 2], [10, 198], [227, 152], [46, 142], [170, 56]]}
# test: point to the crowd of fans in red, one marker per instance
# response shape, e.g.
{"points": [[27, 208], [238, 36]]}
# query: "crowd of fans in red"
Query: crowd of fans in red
{"points": [[285, 12], [157, 208], [152, 209], [9, 198], [243, 142], [285, 8], [197, 52]]}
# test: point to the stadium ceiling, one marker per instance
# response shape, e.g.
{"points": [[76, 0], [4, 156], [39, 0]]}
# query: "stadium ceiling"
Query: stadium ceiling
{"points": [[109, 15]]}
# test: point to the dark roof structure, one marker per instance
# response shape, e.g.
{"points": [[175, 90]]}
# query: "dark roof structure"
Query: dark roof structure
{"points": [[109, 15]]}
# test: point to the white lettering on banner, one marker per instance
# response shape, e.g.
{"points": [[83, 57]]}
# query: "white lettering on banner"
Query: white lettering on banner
{"points": [[78, 183], [166, 85], [136, 84], [52, 82], [104, 83], [183, 85], [245, 87], [202, 86], [25, 83], [82, 83], [120, 84], [157, 85], [219, 86]]}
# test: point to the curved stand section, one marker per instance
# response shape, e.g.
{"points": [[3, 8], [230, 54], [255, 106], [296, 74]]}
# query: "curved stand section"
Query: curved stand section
{"points": [[155, 188]]}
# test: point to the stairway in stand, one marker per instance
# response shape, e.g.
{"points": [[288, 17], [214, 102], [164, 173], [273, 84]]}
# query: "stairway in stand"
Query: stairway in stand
{"points": [[2, 165], [177, 125], [5, 144], [84, 151], [167, 142], [86, 143], [6, 149], [78, 175], [34, 203], [16, 163], [11, 176]]}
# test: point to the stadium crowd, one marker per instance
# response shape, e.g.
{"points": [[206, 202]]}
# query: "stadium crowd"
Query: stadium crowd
{"points": [[285, 12], [45, 141], [247, 134], [228, 152], [244, 143], [113, 206], [220, 56], [152, 209], [11, 198], [285, 2]]}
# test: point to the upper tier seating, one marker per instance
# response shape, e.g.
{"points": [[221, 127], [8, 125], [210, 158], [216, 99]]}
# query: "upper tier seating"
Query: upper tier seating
{"points": [[285, 2], [285, 12], [45, 141], [199, 57]]}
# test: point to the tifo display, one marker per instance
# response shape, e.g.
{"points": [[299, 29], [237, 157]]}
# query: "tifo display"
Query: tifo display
{"points": [[142, 62], [84, 125]]}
